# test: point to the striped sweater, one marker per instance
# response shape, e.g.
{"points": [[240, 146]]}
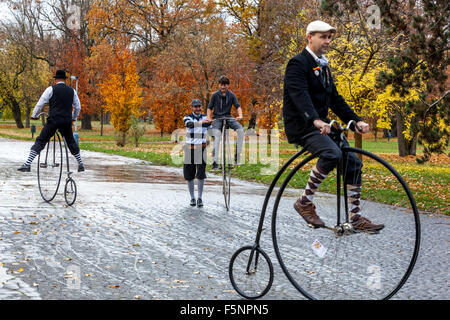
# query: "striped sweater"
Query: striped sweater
{"points": [[196, 133]]}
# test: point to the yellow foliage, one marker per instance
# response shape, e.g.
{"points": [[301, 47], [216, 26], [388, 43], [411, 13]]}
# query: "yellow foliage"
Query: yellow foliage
{"points": [[121, 91]]}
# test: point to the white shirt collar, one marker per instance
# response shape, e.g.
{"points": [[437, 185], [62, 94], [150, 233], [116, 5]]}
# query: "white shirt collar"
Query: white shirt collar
{"points": [[313, 54]]}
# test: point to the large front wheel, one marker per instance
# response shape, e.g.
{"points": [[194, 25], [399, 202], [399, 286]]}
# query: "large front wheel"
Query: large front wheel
{"points": [[226, 168], [49, 168], [327, 264]]}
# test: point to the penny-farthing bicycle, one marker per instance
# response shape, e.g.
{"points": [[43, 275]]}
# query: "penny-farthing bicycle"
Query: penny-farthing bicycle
{"points": [[335, 261], [226, 161], [50, 167]]}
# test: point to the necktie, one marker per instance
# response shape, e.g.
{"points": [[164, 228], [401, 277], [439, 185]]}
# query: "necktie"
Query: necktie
{"points": [[323, 63]]}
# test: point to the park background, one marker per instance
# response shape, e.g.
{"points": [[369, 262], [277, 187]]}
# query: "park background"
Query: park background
{"points": [[139, 63]]}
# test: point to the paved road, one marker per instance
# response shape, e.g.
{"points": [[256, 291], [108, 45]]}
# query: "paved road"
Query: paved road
{"points": [[132, 235]]}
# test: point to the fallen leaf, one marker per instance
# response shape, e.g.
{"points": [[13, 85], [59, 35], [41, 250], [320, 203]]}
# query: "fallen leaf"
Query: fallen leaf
{"points": [[17, 271], [179, 281], [113, 286]]}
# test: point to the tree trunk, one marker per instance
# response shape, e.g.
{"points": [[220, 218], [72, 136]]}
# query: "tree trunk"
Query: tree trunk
{"points": [[405, 147], [15, 109], [28, 116], [101, 122], [86, 122]]}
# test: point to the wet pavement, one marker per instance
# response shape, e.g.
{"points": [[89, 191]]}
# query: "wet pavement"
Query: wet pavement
{"points": [[132, 235]]}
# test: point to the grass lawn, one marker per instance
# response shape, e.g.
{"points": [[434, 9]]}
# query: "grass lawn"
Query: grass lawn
{"points": [[429, 182]]}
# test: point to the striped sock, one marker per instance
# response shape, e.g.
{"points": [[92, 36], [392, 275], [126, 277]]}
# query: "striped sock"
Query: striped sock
{"points": [[78, 157], [354, 196], [31, 157], [316, 177]]}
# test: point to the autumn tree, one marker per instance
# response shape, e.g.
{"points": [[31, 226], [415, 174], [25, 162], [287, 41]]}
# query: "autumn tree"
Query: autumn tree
{"points": [[204, 50], [167, 97], [265, 26], [97, 67], [418, 63], [121, 92], [22, 80]]}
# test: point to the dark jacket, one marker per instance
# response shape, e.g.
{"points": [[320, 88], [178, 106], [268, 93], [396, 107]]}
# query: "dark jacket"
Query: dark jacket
{"points": [[307, 98], [216, 104]]}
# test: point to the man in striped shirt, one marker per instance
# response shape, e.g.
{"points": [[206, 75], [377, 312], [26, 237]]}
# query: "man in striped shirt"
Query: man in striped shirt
{"points": [[194, 166]]}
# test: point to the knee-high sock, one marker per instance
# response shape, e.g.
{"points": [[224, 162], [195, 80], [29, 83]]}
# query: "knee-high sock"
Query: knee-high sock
{"points": [[78, 157], [200, 184], [354, 196], [31, 157], [316, 177], [191, 188]]}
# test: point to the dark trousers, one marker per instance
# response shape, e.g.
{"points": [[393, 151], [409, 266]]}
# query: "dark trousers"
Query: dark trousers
{"points": [[65, 128], [329, 156], [194, 162]]}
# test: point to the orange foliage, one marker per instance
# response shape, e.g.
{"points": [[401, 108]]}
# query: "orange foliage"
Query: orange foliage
{"points": [[121, 91], [167, 98]]}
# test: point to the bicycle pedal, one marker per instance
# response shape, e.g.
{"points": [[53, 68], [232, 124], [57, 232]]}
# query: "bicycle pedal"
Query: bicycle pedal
{"points": [[43, 165]]}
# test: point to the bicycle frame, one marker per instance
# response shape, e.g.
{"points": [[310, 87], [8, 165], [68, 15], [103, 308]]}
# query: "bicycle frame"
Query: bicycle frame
{"points": [[275, 181], [67, 158]]}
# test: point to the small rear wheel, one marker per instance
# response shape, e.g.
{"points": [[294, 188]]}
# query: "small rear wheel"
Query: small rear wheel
{"points": [[70, 191], [251, 272]]}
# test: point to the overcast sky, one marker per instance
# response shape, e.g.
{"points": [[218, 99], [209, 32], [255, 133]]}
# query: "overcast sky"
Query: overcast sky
{"points": [[4, 11]]}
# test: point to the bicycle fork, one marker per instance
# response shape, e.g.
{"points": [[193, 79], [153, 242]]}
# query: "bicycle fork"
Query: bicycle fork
{"points": [[345, 227]]}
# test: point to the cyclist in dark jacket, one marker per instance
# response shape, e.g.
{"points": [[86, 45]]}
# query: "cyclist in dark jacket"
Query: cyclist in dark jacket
{"points": [[220, 106], [309, 92]]}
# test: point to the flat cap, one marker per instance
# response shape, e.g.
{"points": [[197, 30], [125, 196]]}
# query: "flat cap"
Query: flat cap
{"points": [[319, 26]]}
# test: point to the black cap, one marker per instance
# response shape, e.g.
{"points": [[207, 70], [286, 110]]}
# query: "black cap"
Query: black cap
{"points": [[60, 74], [196, 102]]}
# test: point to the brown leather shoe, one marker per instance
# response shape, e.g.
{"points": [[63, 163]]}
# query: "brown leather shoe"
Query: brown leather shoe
{"points": [[308, 212], [363, 224]]}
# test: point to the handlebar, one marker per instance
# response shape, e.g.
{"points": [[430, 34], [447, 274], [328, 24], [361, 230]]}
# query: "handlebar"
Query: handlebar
{"points": [[39, 115], [224, 118], [347, 127]]}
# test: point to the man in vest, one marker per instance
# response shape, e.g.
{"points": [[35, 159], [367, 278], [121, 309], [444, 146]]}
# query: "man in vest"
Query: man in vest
{"points": [[60, 98]]}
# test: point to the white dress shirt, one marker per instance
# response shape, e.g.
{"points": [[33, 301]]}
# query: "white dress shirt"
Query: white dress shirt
{"points": [[45, 98], [313, 54]]}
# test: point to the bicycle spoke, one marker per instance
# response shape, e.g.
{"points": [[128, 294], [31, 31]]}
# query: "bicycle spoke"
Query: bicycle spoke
{"points": [[49, 169], [348, 265], [257, 282]]}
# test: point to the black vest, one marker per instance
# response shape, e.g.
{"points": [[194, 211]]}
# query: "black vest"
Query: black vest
{"points": [[61, 101]]}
